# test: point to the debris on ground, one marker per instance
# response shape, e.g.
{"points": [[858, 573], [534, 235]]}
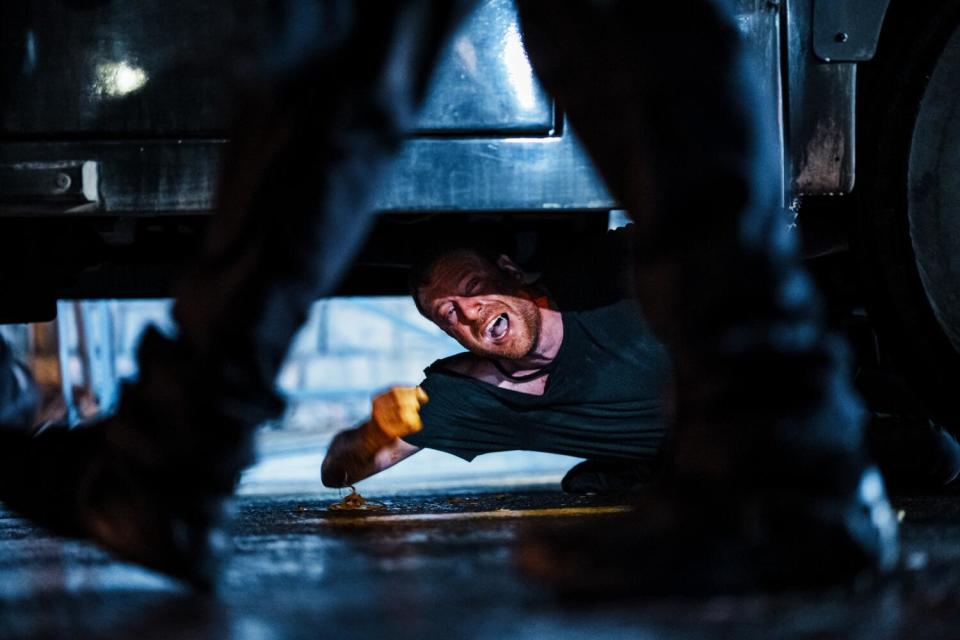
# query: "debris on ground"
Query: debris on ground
{"points": [[353, 501]]}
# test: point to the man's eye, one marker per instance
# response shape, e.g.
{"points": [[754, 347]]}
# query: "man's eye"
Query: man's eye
{"points": [[448, 314], [472, 285]]}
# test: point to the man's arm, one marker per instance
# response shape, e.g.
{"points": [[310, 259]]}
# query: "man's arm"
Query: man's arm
{"points": [[376, 445], [354, 455]]}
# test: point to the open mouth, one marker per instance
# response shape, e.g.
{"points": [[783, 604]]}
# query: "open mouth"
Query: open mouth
{"points": [[497, 328]]}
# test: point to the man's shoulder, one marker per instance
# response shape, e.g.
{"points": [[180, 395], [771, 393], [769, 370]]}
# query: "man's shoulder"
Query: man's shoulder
{"points": [[451, 386]]}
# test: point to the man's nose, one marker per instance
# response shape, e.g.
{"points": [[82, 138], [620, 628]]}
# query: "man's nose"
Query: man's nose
{"points": [[470, 308]]}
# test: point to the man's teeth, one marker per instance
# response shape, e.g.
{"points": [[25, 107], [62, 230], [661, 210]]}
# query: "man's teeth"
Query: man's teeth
{"points": [[498, 326]]}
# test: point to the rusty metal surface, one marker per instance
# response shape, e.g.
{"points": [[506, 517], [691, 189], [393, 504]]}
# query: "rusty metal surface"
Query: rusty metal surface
{"points": [[820, 110]]}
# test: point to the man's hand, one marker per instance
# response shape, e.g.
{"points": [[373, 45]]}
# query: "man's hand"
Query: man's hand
{"points": [[375, 445], [397, 412]]}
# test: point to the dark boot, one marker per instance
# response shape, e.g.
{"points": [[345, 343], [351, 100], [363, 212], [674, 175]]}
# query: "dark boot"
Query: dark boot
{"points": [[69, 481], [703, 541], [150, 483]]}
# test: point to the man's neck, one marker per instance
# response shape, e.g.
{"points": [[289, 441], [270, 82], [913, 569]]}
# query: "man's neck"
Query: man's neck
{"points": [[546, 348]]}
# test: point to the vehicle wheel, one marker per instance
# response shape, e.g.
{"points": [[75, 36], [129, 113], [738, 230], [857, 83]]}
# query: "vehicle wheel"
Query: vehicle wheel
{"points": [[907, 233]]}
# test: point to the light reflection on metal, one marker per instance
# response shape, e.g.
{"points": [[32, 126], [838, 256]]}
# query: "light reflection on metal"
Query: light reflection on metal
{"points": [[30, 54], [484, 84], [466, 55], [517, 66], [117, 79]]}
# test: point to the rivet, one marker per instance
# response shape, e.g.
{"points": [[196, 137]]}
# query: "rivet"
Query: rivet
{"points": [[63, 182]]}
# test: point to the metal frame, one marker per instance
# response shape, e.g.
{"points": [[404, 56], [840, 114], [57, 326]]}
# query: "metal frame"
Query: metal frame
{"points": [[820, 108], [847, 30], [465, 156]]}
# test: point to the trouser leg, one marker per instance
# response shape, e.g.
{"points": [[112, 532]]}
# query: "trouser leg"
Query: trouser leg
{"points": [[660, 95], [319, 127]]}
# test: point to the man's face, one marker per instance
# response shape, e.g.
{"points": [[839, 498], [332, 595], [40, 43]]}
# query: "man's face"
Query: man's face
{"points": [[481, 306]]}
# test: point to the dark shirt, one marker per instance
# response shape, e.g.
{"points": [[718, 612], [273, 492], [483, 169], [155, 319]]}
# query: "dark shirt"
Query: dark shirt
{"points": [[603, 396]]}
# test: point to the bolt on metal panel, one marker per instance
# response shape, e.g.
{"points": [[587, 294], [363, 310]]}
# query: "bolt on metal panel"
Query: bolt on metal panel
{"points": [[847, 30]]}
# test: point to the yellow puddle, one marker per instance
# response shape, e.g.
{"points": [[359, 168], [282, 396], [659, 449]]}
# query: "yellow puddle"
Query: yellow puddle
{"points": [[558, 512]]}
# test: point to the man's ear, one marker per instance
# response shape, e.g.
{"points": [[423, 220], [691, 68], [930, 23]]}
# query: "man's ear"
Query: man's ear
{"points": [[508, 266]]}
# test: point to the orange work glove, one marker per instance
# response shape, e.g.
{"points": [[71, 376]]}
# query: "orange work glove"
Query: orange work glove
{"points": [[397, 411]]}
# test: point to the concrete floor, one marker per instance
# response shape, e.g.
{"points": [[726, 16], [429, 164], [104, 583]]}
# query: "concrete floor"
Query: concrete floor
{"points": [[438, 566]]}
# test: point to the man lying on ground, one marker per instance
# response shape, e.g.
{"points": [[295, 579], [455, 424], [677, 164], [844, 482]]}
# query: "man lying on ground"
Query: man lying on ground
{"points": [[561, 363]]}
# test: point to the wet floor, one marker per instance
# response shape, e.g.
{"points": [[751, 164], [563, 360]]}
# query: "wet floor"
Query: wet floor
{"points": [[439, 566]]}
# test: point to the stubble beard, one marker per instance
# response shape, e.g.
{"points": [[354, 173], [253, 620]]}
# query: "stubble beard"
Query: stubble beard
{"points": [[528, 315]]}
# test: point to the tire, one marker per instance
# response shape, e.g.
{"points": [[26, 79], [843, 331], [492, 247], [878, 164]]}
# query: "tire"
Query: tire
{"points": [[907, 231]]}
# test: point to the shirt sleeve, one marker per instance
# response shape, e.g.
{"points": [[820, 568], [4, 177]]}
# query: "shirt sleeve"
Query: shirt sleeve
{"points": [[459, 419]]}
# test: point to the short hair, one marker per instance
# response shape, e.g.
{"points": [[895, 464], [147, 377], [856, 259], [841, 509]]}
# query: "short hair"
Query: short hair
{"points": [[422, 269]]}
